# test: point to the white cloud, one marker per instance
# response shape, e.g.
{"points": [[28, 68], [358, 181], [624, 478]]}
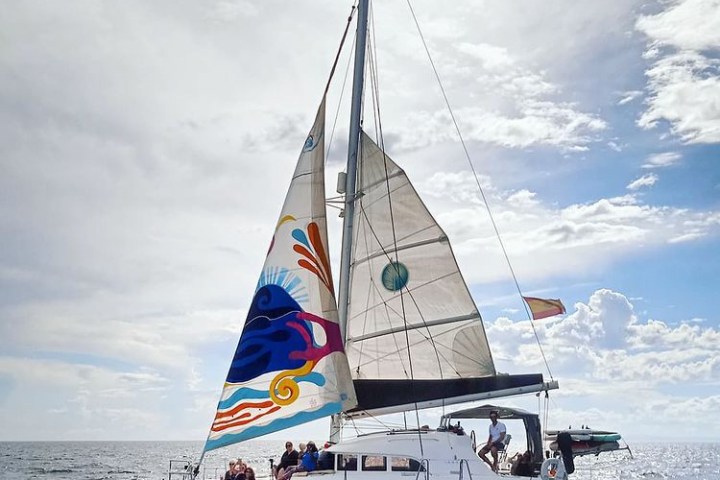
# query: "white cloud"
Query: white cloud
{"points": [[683, 81], [665, 159], [645, 181], [604, 340], [135, 138], [628, 97], [684, 88], [518, 107], [684, 24], [165, 342], [546, 240], [615, 146], [84, 400], [687, 237]]}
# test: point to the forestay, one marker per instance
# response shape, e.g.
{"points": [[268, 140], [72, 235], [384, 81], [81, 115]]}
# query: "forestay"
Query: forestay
{"points": [[406, 288], [289, 366]]}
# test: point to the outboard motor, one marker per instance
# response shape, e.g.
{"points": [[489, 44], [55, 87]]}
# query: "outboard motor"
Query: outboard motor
{"points": [[564, 442]]}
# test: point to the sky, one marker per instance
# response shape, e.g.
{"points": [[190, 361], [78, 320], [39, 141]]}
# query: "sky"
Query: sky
{"points": [[146, 147]]}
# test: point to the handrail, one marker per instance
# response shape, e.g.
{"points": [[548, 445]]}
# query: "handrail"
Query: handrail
{"points": [[467, 465], [426, 464]]}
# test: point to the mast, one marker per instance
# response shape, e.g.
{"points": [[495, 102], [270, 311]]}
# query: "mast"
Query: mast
{"points": [[353, 143], [350, 183]]}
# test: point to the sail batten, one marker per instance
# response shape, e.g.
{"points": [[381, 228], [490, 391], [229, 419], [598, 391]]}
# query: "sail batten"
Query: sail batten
{"points": [[289, 366], [441, 321], [399, 248]]}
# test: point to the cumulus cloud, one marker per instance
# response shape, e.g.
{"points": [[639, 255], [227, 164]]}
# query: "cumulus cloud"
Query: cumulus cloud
{"points": [[683, 81], [645, 181], [134, 139], [604, 340], [547, 239]]}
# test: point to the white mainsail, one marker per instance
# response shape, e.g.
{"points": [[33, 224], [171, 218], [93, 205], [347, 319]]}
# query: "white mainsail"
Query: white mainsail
{"points": [[289, 366], [408, 301]]}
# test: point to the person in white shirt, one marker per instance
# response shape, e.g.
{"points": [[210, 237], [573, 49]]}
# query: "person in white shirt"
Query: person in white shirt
{"points": [[495, 440]]}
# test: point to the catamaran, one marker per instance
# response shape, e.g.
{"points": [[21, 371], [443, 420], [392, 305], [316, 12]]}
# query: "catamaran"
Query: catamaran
{"points": [[404, 333]]}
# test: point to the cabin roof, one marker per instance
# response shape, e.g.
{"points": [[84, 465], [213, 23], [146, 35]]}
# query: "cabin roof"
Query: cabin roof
{"points": [[506, 413], [435, 444]]}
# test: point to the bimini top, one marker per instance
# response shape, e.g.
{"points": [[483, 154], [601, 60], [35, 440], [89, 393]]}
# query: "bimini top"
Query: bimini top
{"points": [[505, 413]]}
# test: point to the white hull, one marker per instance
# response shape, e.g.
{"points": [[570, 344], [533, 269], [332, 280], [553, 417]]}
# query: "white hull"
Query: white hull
{"points": [[438, 454]]}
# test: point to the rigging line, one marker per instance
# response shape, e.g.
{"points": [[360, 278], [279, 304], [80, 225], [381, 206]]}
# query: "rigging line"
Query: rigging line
{"points": [[376, 419], [417, 342], [342, 42], [367, 302], [482, 192], [337, 111], [417, 307], [372, 67], [406, 289], [375, 81]]}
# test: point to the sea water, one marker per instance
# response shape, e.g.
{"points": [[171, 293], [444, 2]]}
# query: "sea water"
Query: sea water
{"points": [[150, 460]]}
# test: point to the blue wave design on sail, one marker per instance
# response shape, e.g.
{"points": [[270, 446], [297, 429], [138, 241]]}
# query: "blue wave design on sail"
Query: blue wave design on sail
{"points": [[274, 426]]}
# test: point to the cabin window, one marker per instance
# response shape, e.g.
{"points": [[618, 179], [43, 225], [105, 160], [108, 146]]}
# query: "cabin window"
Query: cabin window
{"points": [[374, 463], [405, 464], [346, 462]]}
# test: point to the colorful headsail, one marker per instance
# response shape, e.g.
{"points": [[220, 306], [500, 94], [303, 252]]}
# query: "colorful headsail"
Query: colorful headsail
{"points": [[289, 366]]}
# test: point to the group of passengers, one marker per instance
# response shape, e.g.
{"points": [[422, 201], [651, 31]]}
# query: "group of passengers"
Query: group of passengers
{"points": [[304, 460], [238, 470]]}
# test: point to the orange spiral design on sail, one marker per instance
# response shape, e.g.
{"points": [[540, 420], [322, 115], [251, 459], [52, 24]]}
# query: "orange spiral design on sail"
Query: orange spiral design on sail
{"points": [[284, 390]]}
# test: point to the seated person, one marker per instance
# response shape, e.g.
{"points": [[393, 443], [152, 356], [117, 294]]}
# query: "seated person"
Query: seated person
{"points": [[289, 458], [522, 465], [229, 474], [238, 472], [308, 462], [249, 474], [495, 441]]}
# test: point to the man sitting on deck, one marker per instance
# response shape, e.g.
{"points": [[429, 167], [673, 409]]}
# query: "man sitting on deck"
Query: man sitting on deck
{"points": [[495, 440]]}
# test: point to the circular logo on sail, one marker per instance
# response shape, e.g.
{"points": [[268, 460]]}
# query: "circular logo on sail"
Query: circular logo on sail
{"points": [[394, 276]]}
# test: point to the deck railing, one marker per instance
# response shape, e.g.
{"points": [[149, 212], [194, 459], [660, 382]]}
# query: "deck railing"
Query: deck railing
{"points": [[467, 466]]}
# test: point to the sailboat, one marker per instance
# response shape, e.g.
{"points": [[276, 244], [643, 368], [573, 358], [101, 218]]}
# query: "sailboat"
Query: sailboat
{"points": [[403, 333]]}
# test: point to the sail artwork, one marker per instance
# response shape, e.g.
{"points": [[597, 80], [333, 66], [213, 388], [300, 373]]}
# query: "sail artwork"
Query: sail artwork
{"points": [[403, 335], [289, 366]]}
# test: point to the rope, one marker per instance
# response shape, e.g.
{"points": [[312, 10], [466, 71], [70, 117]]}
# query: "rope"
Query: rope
{"points": [[337, 55], [342, 89], [376, 97], [477, 181]]}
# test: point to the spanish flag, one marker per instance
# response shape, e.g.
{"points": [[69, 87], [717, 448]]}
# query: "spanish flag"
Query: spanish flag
{"points": [[544, 307]]}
